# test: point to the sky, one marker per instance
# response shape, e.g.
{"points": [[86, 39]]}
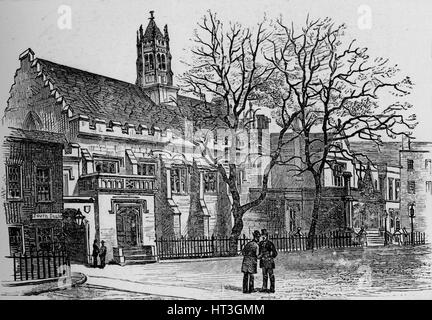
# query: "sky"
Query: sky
{"points": [[101, 35]]}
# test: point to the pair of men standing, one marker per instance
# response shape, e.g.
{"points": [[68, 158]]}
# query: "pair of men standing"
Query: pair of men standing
{"points": [[266, 252], [101, 252]]}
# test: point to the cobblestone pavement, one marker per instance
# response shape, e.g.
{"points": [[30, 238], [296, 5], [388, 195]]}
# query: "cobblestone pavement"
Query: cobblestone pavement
{"points": [[355, 273]]}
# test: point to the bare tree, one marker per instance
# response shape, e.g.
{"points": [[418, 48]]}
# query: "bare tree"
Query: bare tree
{"points": [[340, 93], [228, 67]]}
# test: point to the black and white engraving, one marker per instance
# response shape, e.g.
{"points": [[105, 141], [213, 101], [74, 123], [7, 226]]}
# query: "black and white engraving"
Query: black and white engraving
{"points": [[216, 150]]}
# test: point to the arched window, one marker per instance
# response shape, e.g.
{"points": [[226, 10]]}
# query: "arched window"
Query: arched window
{"points": [[159, 65], [32, 121], [163, 65], [151, 61], [148, 61]]}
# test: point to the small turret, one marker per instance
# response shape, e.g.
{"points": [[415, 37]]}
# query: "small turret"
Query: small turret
{"points": [[154, 62]]}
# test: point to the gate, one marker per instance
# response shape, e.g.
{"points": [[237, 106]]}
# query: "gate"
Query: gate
{"points": [[75, 237]]}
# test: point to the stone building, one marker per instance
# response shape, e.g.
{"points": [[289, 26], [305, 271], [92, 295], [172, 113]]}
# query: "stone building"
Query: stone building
{"points": [[353, 194], [130, 166]]}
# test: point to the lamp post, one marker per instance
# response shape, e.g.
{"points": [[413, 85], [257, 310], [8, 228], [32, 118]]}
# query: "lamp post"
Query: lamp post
{"points": [[79, 218], [411, 213], [385, 227]]}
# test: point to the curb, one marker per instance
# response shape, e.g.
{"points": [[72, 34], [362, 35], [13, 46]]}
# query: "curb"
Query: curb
{"points": [[36, 287]]}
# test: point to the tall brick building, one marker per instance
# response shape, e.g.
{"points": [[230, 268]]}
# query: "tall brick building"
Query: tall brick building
{"points": [[33, 190]]}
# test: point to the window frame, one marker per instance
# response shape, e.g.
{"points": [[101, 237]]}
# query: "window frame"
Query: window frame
{"points": [[110, 161], [206, 174], [21, 235], [411, 187], [50, 182], [146, 163], [428, 165], [428, 187], [38, 242], [410, 164], [180, 190], [20, 182], [397, 189], [390, 193], [149, 63], [336, 177]]}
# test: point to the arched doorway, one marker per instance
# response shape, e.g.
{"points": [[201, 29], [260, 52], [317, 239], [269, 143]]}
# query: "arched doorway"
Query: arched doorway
{"points": [[128, 226]]}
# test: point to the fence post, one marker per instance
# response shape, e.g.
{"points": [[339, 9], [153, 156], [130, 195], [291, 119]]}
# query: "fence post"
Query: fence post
{"points": [[54, 264], [14, 265], [38, 266], [26, 266], [49, 264], [31, 264]]}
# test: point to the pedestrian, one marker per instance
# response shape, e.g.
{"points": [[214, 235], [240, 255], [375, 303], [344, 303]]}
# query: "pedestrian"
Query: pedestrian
{"points": [[95, 253], [250, 261], [363, 236], [102, 254], [267, 253]]}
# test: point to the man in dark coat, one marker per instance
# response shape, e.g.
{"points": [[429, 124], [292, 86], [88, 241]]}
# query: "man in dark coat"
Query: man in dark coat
{"points": [[250, 261], [267, 253], [95, 253], [102, 254]]}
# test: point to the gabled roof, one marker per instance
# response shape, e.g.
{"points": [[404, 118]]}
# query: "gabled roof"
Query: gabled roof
{"points": [[94, 94], [101, 97]]}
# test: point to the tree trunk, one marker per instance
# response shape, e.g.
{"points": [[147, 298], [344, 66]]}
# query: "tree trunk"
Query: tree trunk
{"points": [[315, 212], [236, 230]]}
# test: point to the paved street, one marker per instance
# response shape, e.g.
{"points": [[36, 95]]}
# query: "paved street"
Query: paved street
{"points": [[356, 273]]}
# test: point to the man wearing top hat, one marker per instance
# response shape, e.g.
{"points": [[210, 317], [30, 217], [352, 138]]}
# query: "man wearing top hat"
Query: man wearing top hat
{"points": [[250, 261], [267, 253]]}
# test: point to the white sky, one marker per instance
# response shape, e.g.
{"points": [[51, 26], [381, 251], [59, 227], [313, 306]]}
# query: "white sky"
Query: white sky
{"points": [[103, 34]]}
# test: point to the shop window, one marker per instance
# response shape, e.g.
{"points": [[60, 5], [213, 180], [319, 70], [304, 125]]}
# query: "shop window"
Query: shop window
{"points": [[43, 184], [13, 179]]}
